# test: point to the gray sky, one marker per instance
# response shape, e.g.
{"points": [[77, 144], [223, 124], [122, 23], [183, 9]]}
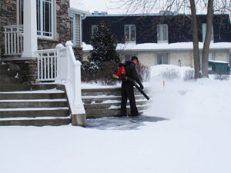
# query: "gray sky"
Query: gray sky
{"points": [[96, 5]]}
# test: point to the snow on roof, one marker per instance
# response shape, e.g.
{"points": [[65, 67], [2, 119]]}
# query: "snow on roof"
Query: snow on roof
{"points": [[162, 46], [218, 61], [77, 11]]}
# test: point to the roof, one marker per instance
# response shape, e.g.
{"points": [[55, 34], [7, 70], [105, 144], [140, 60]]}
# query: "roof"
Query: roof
{"points": [[77, 11]]}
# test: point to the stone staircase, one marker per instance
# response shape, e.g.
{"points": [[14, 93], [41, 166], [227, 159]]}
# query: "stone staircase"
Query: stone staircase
{"points": [[105, 102], [37, 105]]}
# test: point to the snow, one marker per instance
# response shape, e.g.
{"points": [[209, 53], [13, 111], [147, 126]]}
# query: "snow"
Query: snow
{"points": [[185, 130], [216, 61], [162, 46]]}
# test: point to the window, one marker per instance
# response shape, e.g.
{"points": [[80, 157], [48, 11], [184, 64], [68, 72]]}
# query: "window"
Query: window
{"points": [[211, 55], [204, 32], [129, 33], [162, 33], [45, 18], [94, 28], [20, 12], [162, 58]]}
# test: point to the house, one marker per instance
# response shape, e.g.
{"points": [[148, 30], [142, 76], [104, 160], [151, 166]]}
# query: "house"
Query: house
{"points": [[161, 39], [76, 17], [34, 37]]}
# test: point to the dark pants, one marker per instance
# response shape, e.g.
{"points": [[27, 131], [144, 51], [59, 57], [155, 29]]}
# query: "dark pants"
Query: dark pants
{"points": [[127, 92]]}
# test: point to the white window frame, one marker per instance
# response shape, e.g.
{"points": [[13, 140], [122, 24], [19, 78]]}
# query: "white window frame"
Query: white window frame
{"points": [[41, 16], [204, 32], [128, 35], [94, 28], [162, 33], [162, 58]]}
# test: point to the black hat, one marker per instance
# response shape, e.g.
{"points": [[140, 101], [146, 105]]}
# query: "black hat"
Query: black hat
{"points": [[135, 58]]}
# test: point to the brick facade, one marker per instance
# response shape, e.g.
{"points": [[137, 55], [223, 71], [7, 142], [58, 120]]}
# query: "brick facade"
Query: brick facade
{"points": [[7, 17]]}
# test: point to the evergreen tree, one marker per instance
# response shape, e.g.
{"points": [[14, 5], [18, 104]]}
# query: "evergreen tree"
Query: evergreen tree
{"points": [[104, 58], [104, 45]]}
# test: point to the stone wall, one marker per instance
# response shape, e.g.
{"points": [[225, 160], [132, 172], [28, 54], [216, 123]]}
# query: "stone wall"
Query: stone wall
{"points": [[7, 17]]}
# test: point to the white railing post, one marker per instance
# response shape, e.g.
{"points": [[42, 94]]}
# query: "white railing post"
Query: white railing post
{"points": [[74, 68], [59, 77]]}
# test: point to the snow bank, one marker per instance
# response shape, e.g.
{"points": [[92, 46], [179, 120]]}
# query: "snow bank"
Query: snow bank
{"points": [[193, 99], [170, 72], [194, 139]]}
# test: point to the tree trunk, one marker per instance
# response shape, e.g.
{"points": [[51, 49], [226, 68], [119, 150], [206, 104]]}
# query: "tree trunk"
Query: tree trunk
{"points": [[209, 26], [196, 55]]}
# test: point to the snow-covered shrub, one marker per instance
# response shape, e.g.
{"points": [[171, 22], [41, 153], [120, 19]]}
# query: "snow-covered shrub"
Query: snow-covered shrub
{"points": [[171, 72], [188, 74], [221, 77], [91, 72], [144, 72]]}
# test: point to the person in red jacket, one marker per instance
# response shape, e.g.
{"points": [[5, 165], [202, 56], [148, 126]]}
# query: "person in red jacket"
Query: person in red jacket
{"points": [[120, 72], [127, 89]]}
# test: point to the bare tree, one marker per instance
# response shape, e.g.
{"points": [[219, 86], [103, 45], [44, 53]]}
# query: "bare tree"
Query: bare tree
{"points": [[209, 26], [196, 52], [186, 6]]}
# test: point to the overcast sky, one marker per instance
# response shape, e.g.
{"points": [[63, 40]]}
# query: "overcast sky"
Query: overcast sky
{"points": [[96, 5]]}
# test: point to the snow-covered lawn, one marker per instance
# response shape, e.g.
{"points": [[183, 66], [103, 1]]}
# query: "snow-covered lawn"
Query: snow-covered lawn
{"points": [[192, 134]]}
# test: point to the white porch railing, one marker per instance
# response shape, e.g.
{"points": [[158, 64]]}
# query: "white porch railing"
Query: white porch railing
{"points": [[59, 65], [13, 39], [47, 65]]}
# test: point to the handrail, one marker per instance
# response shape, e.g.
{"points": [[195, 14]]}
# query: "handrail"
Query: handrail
{"points": [[69, 74], [60, 66]]}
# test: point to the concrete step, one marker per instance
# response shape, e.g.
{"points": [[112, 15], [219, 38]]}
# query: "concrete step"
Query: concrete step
{"points": [[34, 107], [100, 91], [32, 95], [34, 112], [35, 122], [106, 91], [109, 105], [114, 111], [106, 102], [105, 99], [33, 103]]}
